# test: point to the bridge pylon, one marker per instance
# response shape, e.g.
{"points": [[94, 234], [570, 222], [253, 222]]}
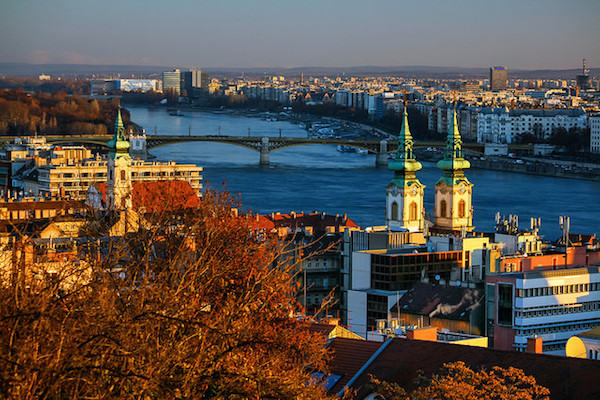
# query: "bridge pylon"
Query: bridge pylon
{"points": [[382, 154], [264, 151]]}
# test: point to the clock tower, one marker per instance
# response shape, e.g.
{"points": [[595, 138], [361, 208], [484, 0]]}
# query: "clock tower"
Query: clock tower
{"points": [[404, 194], [118, 180], [453, 209]]}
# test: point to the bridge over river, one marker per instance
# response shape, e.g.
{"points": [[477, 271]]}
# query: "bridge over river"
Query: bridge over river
{"points": [[263, 145]]}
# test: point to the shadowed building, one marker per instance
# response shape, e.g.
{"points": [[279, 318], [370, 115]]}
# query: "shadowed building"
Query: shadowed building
{"points": [[498, 78]]}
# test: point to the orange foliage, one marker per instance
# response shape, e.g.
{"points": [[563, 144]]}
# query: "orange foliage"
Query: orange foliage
{"points": [[457, 381], [25, 113], [195, 307]]}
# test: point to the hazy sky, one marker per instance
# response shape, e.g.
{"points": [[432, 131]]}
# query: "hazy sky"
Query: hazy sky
{"points": [[528, 34]]}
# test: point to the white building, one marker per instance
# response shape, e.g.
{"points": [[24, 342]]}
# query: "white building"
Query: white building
{"points": [[595, 133], [553, 305], [501, 125]]}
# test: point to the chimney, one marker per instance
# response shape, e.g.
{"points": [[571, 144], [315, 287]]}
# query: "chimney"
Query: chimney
{"points": [[535, 345], [428, 333]]}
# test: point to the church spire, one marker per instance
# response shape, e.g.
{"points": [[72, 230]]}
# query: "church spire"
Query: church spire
{"points": [[119, 145], [453, 203], [404, 194], [404, 164], [453, 162]]}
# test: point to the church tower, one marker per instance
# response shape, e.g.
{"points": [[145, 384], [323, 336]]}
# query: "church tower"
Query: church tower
{"points": [[118, 183], [404, 194], [453, 208]]}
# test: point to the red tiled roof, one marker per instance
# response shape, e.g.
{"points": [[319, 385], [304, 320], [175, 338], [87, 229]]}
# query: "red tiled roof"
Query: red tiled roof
{"points": [[324, 329], [42, 205], [349, 355], [160, 195], [164, 196], [566, 377], [319, 221], [262, 222]]}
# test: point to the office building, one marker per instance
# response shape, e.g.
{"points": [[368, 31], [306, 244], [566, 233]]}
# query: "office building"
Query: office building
{"points": [[200, 80], [553, 305], [172, 81], [498, 78], [185, 84], [583, 80]]}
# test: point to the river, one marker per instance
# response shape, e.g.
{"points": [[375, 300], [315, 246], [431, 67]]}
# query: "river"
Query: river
{"points": [[319, 178]]}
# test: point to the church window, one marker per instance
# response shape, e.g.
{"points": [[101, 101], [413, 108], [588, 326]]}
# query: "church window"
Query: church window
{"points": [[412, 211], [394, 211], [461, 209], [122, 174], [443, 208]]}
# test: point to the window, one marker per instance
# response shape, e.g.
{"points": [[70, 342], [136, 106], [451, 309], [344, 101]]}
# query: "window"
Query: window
{"points": [[461, 209], [412, 211], [443, 208], [505, 304], [122, 174], [394, 211]]}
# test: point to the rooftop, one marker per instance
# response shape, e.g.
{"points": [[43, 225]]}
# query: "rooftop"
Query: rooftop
{"points": [[399, 361]]}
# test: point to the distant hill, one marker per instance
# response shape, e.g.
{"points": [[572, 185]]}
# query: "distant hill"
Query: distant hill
{"points": [[416, 71]]}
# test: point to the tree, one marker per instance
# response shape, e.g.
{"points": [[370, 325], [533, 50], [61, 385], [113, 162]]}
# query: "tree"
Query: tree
{"points": [[457, 381], [574, 140], [194, 305]]}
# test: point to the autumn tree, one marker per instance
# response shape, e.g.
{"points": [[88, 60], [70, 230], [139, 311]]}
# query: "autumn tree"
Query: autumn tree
{"points": [[457, 381], [22, 113], [193, 305]]}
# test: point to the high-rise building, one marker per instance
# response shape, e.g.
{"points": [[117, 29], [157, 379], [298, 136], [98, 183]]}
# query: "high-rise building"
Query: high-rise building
{"points": [[186, 84], [583, 80], [498, 78], [200, 79], [172, 81]]}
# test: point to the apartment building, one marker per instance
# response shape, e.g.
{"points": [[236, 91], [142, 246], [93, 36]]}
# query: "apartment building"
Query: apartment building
{"points": [[73, 179], [595, 133], [501, 125]]}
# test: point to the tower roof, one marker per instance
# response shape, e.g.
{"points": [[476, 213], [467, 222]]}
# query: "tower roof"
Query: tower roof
{"points": [[119, 145], [404, 164], [453, 162]]}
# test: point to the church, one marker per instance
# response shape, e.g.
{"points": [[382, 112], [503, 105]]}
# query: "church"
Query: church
{"points": [[133, 188], [453, 210]]}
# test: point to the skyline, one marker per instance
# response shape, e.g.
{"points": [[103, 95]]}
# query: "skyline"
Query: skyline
{"points": [[535, 35]]}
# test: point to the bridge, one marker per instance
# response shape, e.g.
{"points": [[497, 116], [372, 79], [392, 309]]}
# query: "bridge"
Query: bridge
{"points": [[265, 145]]}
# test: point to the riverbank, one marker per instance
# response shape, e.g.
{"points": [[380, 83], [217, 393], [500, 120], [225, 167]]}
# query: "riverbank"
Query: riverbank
{"points": [[535, 168], [335, 127]]}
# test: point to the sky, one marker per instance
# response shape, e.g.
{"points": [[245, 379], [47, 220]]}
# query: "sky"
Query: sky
{"points": [[520, 34]]}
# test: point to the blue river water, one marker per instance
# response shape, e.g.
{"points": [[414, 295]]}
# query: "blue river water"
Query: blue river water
{"points": [[319, 178]]}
